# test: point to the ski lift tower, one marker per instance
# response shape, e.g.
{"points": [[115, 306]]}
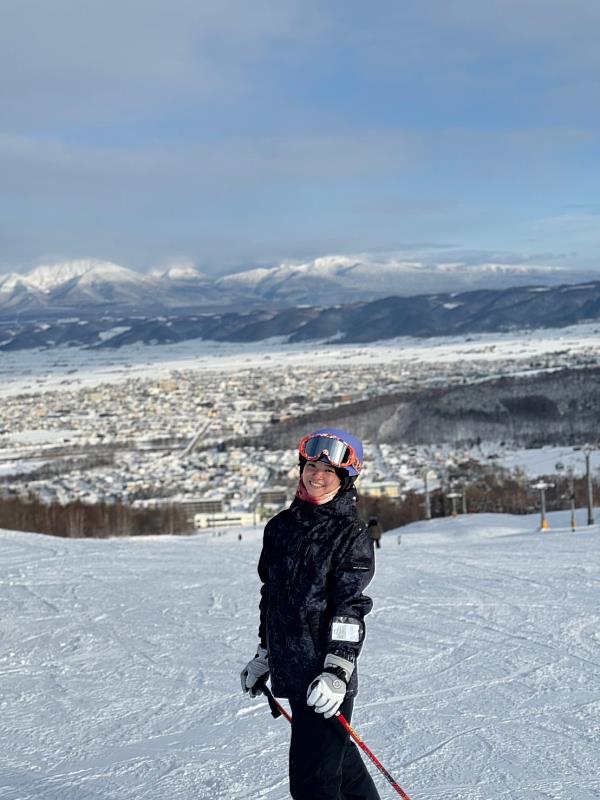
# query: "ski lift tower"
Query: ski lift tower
{"points": [[590, 489], [454, 497], [542, 486]]}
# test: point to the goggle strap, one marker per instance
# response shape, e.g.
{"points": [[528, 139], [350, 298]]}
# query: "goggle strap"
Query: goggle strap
{"points": [[349, 456]]}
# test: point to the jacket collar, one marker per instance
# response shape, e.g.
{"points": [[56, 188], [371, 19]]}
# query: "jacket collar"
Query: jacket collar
{"points": [[343, 504]]}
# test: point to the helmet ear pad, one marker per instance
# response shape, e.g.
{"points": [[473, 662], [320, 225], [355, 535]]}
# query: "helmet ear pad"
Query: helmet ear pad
{"points": [[346, 480]]}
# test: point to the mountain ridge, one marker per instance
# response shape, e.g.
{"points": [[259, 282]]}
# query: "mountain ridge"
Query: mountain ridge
{"points": [[91, 286], [428, 315]]}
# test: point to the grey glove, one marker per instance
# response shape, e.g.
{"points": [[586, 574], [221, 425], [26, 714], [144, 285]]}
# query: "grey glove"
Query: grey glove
{"points": [[253, 672], [326, 693]]}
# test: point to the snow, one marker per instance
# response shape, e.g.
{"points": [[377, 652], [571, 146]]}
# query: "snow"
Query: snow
{"points": [[37, 436], [39, 370], [511, 269], [110, 273], [480, 675], [338, 264], [346, 276], [19, 466], [249, 278], [104, 336], [181, 273], [543, 460], [48, 276], [8, 283]]}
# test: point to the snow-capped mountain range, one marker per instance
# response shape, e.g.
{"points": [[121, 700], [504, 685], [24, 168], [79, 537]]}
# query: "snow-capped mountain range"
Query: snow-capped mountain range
{"points": [[87, 287]]}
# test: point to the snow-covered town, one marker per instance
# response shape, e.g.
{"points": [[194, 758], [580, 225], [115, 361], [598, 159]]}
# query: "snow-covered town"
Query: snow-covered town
{"points": [[147, 433]]}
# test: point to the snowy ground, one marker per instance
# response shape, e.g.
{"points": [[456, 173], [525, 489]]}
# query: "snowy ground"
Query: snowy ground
{"points": [[480, 674], [41, 370], [543, 461]]}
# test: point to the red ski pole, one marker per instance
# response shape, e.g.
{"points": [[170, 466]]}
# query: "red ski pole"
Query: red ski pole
{"points": [[277, 709], [354, 735]]}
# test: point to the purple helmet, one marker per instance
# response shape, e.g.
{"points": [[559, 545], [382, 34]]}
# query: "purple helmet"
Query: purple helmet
{"points": [[338, 448]]}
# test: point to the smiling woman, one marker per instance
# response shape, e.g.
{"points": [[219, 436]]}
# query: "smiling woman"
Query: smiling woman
{"points": [[316, 561]]}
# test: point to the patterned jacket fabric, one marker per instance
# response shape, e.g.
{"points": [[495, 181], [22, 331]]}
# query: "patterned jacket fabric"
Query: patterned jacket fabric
{"points": [[315, 563]]}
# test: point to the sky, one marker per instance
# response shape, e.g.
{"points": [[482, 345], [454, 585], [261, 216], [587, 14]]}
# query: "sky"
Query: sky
{"points": [[230, 134]]}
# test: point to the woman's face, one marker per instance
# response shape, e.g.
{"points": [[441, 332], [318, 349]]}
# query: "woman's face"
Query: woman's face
{"points": [[320, 478]]}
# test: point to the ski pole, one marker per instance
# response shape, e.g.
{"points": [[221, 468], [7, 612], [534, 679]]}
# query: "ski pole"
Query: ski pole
{"points": [[277, 710], [354, 735]]}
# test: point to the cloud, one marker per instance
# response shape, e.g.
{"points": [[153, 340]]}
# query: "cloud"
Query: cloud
{"points": [[240, 200], [583, 226], [229, 200], [30, 165], [489, 63], [465, 30], [72, 60], [142, 129], [75, 62]]}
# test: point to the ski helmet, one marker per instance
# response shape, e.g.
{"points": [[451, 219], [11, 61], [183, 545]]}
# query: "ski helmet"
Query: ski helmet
{"points": [[323, 452]]}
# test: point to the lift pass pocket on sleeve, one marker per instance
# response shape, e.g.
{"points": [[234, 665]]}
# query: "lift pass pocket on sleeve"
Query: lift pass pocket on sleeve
{"points": [[345, 629]]}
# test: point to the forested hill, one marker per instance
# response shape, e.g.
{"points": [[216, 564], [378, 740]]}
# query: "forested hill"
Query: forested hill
{"points": [[444, 314], [559, 407]]}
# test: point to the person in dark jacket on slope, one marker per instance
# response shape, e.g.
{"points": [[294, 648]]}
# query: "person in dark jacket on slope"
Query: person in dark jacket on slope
{"points": [[374, 529], [317, 559]]}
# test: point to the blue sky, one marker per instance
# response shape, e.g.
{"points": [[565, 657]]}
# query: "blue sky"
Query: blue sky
{"points": [[232, 134]]}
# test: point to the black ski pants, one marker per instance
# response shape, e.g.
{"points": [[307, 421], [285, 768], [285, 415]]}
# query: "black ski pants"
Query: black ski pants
{"points": [[325, 764]]}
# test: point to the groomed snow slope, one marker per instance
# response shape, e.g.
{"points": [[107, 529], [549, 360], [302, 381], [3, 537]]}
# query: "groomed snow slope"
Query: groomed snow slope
{"points": [[480, 675]]}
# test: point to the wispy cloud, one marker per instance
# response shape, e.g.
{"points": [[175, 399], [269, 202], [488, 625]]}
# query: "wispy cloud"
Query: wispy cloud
{"points": [[265, 130], [70, 61], [577, 226]]}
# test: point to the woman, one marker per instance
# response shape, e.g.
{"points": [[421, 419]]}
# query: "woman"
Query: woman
{"points": [[317, 559]]}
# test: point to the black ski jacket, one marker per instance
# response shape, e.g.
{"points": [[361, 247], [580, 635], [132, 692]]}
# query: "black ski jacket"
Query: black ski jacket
{"points": [[315, 563]]}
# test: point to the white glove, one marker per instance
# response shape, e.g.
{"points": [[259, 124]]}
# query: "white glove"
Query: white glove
{"points": [[254, 671], [326, 693]]}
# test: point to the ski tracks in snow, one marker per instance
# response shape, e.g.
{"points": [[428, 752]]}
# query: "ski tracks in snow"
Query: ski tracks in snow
{"points": [[497, 661], [480, 677]]}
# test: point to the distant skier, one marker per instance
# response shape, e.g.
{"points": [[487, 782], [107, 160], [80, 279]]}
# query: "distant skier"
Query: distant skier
{"points": [[375, 531], [316, 561]]}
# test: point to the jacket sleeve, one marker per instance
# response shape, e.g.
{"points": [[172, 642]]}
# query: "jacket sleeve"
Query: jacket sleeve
{"points": [[351, 575], [263, 574]]}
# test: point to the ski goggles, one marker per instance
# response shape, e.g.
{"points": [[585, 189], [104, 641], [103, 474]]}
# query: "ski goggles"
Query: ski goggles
{"points": [[338, 452]]}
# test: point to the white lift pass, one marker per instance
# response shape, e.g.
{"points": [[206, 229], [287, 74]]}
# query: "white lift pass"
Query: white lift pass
{"points": [[345, 631]]}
